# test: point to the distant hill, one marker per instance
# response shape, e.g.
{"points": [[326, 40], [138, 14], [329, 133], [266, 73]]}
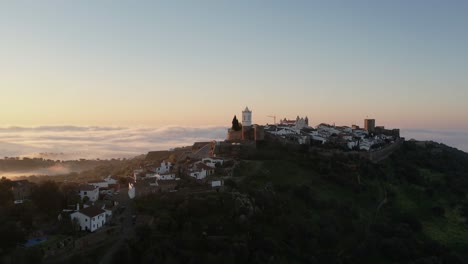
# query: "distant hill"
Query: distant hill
{"points": [[298, 207]]}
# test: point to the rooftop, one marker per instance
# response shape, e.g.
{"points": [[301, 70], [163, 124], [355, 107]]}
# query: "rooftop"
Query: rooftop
{"points": [[92, 211]]}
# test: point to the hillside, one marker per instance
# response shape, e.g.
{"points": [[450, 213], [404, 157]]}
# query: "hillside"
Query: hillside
{"points": [[305, 208]]}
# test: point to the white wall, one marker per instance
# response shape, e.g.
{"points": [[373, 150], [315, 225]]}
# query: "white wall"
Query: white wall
{"points": [[83, 220], [167, 177], [102, 184], [92, 195], [109, 180], [165, 167], [212, 162], [200, 174], [91, 224], [98, 221]]}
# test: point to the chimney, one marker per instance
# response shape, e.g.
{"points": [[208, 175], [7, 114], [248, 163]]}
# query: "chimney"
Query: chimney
{"points": [[78, 207]]}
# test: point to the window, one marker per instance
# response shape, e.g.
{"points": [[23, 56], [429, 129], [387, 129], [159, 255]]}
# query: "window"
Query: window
{"points": [[86, 220], [85, 193]]}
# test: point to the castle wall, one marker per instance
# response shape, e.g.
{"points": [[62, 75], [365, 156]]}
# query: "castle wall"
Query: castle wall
{"points": [[259, 133], [234, 135]]}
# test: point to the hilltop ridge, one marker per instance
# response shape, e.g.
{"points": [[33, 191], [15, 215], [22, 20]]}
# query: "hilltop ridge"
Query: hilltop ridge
{"points": [[308, 208]]}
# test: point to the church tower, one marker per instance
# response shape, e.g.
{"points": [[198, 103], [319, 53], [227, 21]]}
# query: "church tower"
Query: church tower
{"points": [[246, 117]]}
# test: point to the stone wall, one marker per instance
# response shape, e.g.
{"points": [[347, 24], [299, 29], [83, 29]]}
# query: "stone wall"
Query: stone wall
{"points": [[381, 154], [234, 135]]}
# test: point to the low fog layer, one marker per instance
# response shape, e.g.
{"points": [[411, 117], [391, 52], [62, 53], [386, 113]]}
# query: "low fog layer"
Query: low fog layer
{"points": [[72, 142], [456, 139]]}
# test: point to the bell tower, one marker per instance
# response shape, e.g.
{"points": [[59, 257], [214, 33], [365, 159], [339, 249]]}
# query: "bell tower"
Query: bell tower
{"points": [[246, 117]]}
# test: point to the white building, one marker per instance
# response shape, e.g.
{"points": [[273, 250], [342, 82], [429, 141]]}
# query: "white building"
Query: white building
{"points": [[200, 171], [89, 218], [166, 176], [99, 184], [301, 122], [246, 117], [212, 162], [165, 167], [131, 191], [109, 180], [90, 191], [151, 175], [217, 183]]}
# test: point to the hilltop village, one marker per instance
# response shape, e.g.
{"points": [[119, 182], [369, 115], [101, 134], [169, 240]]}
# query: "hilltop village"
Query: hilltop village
{"points": [[299, 132], [96, 209]]}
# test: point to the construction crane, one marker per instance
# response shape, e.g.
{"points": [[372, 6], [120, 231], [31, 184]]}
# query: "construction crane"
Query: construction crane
{"points": [[274, 119]]}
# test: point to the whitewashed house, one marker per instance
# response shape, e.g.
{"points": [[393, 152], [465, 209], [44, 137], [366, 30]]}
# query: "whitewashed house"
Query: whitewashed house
{"points": [[165, 167], [99, 184], [217, 183], [200, 171], [166, 176], [151, 175], [90, 218], [212, 162], [109, 180], [90, 191]]}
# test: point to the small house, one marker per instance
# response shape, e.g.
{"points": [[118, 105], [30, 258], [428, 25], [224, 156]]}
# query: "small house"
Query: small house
{"points": [[90, 218]]}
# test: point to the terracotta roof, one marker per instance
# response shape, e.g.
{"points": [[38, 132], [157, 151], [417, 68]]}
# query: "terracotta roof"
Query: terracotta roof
{"points": [[87, 187], [92, 211]]}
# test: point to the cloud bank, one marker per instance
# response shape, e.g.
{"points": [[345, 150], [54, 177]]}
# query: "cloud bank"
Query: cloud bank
{"points": [[454, 138], [73, 142]]}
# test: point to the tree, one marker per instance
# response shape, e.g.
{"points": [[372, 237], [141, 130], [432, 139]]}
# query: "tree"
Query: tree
{"points": [[6, 195], [235, 124], [11, 235], [48, 198], [123, 181]]}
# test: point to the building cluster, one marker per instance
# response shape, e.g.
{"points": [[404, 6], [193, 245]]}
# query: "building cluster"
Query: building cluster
{"points": [[96, 197], [194, 169], [298, 131], [298, 123], [342, 137]]}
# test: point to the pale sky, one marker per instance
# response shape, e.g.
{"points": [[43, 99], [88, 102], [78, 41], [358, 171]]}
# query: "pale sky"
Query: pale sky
{"points": [[157, 63]]}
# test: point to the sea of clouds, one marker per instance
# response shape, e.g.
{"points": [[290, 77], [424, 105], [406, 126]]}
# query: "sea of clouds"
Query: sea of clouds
{"points": [[454, 138], [90, 142]]}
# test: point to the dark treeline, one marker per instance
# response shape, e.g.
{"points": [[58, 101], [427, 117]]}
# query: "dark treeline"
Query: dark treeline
{"points": [[306, 208]]}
